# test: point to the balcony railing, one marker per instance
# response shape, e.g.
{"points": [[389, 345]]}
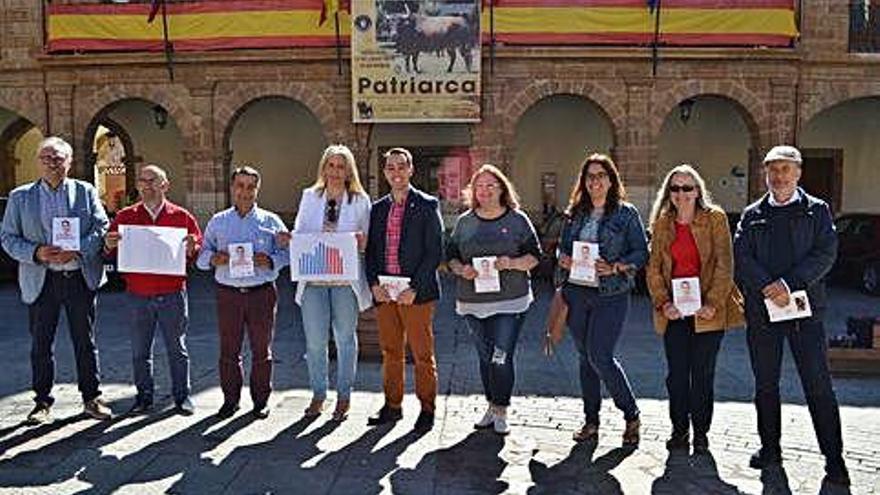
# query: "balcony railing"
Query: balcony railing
{"points": [[864, 26]]}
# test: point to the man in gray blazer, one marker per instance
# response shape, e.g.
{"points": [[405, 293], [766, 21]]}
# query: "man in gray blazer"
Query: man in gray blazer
{"points": [[51, 277]]}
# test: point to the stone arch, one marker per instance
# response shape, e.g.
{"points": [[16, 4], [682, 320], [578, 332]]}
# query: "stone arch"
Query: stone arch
{"points": [[825, 96], [9, 141], [175, 99], [609, 104], [231, 101], [753, 110], [29, 103]]}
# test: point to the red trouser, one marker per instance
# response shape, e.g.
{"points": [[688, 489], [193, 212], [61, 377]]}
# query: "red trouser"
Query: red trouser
{"points": [[253, 309]]}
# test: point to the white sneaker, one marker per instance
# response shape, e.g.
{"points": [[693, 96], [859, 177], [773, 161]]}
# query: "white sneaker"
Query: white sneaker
{"points": [[500, 423], [487, 420]]}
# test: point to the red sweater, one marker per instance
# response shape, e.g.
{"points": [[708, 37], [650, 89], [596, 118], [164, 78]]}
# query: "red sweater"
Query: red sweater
{"points": [[685, 256], [146, 284]]}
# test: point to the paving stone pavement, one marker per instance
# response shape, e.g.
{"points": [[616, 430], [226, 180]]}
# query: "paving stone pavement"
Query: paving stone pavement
{"points": [[165, 453]]}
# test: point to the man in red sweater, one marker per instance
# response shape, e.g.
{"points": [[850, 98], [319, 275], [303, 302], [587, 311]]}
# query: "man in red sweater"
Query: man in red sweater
{"points": [[157, 299]]}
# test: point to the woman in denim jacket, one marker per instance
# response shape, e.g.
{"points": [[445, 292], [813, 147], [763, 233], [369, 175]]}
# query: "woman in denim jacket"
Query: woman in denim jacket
{"points": [[597, 213]]}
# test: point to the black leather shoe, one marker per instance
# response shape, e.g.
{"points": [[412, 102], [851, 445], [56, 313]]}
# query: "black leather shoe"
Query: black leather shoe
{"points": [[836, 474], [228, 410], [385, 415], [764, 458], [679, 441], [261, 411], [425, 421], [185, 407], [141, 407], [701, 444]]}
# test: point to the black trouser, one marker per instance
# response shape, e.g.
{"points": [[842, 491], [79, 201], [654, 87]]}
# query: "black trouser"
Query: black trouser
{"points": [[690, 358], [806, 339], [66, 289]]}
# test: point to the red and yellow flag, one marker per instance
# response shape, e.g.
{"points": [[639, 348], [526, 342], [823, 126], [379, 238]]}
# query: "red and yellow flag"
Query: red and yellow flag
{"points": [[219, 25]]}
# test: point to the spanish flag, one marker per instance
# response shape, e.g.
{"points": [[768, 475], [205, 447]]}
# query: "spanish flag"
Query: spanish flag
{"points": [[229, 24]]}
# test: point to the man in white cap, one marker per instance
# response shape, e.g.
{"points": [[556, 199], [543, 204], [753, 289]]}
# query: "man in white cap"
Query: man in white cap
{"points": [[785, 242]]}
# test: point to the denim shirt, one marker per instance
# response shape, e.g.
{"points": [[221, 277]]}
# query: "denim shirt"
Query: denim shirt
{"points": [[621, 240]]}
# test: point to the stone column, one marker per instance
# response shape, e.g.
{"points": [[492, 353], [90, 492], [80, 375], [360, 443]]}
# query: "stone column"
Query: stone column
{"points": [[203, 160], [635, 153]]}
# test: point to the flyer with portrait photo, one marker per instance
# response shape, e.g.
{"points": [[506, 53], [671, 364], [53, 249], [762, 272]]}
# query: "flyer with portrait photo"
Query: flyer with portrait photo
{"points": [[798, 307], [686, 295], [583, 261], [65, 233], [488, 278], [241, 259]]}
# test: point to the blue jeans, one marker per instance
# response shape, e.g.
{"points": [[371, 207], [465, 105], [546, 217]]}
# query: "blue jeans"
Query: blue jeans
{"points": [[596, 322], [324, 307], [495, 339], [806, 339], [170, 312]]}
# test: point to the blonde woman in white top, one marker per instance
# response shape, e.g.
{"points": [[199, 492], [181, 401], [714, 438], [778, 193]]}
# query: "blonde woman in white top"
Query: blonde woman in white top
{"points": [[336, 202]]}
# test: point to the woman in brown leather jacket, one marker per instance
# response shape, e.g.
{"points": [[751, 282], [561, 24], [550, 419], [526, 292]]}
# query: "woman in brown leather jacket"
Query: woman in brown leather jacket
{"points": [[691, 239]]}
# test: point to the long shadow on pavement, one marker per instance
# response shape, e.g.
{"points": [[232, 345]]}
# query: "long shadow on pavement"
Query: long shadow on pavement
{"points": [[260, 467], [697, 474], [470, 466], [65, 456], [579, 473]]}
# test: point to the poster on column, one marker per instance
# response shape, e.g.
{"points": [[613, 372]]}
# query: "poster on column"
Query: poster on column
{"points": [[325, 257], [415, 61]]}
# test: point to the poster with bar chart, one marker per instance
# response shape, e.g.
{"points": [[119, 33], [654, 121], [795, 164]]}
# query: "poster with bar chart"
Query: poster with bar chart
{"points": [[324, 257]]}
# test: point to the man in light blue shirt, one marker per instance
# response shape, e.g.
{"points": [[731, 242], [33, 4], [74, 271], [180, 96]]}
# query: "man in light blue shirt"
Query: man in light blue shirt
{"points": [[245, 301], [51, 276]]}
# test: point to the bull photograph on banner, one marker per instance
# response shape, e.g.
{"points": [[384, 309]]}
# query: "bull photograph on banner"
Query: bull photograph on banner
{"points": [[415, 61]]}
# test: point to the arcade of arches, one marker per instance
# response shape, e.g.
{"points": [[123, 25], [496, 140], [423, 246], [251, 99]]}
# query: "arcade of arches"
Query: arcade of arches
{"points": [[542, 150]]}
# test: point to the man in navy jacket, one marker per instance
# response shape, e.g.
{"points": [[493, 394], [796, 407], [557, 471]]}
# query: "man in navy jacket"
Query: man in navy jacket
{"points": [[786, 242], [405, 240]]}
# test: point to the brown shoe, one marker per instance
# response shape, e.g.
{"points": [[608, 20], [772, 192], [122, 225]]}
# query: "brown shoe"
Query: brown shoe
{"points": [[316, 407], [588, 433], [97, 409], [341, 411], [631, 432], [39, 415]]}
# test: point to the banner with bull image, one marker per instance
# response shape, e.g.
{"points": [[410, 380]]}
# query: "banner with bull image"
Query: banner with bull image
{"points": [[415, 61]]}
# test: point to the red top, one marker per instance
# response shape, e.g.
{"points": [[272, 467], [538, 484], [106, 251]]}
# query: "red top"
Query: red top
{"points": [[685, 256], [393, 230], [171, 215]]}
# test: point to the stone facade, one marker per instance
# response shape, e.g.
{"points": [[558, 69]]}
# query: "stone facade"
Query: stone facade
{"points": [[775, 90]]}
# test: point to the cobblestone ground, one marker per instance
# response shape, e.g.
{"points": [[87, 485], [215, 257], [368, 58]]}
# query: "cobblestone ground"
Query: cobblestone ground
{"points": [[287, 454]]}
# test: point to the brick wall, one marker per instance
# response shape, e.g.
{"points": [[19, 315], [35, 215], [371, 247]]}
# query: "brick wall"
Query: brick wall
{"points": [[775, 90]]}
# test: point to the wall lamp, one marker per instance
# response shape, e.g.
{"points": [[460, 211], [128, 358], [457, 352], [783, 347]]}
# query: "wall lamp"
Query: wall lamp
{"points": [[685, 110], [160, 116]]}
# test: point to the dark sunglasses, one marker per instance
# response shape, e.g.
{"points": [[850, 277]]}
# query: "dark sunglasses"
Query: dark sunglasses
{"points": [[332, 211], [674, 188]]}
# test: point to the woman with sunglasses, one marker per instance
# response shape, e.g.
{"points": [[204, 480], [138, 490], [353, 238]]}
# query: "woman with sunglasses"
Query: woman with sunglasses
{"points": [[598, 305], [493, 227], [336, 202], [690, 237]]}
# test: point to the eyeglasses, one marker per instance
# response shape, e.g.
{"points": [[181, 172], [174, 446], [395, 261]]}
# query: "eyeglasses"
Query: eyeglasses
{"points": [[332, 213], [597, 177], [685, 188]]}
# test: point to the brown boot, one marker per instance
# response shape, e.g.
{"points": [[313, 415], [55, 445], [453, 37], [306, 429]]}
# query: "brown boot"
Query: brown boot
{"points": [[588, 433], [631, 433]]}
